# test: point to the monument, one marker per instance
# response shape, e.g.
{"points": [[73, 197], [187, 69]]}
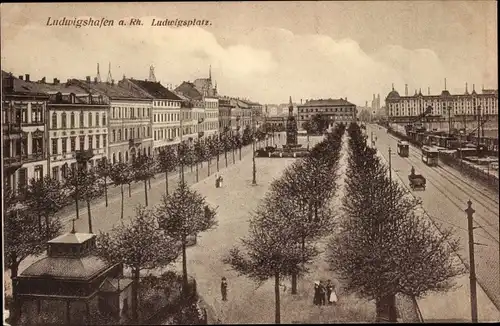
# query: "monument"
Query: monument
{"points": [[291, 129]]}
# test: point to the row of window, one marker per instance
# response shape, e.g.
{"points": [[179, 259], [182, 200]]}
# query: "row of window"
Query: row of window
{"points": [[441, 111], [118, 157], [341, 109], [166, 133], [130, 113], [94, 119], [60, 145], [130, 133], [34, 115], [165, 117], [332, 117], [211, 105], [167, 103]]}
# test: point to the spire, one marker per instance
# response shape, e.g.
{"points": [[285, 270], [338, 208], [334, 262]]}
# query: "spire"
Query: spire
{"points": [[73, 229], [210, 72], [110, 78], [98, 74], [466, 88], [152, 77], [445, 84], [290, 102], [392, 86], [473, 88]]}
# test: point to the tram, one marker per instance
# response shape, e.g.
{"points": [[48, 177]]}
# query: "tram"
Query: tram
{"points": [[403, 148], [430, 156]]}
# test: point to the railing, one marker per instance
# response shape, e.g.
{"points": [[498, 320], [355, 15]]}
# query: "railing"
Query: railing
{"points": [[12, 160]]}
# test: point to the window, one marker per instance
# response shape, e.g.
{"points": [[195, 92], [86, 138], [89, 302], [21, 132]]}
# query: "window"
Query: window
{"points": [[72, 118], [126, 156], [54, 146], [90, 119], [55, 172], [64, 145], [54, 120], [82, 142], [143, 112], [38, 172], [81, 120], [97, 141], [104, 119], [97, 119], [126, 133], [63, 120], [73, 144], [119, 135], [64, 170], [114, 135], [119, 156], [104, 140], [90, 140], [114, 158]]}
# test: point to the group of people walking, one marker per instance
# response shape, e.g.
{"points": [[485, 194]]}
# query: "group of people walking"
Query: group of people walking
{"points": [[324, 293], [218, 181]]}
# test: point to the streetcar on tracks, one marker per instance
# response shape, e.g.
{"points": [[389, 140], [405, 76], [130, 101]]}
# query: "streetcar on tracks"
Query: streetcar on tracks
{"points": [[430, 155], [403, 148]]}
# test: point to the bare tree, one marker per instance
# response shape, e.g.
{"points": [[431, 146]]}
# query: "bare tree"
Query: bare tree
{"points": [[140, 245], [121, 174], [103, 170], [143, 168]]}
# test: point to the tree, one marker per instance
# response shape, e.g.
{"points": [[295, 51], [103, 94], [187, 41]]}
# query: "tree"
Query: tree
{"points": [[227, 144], [270, 251], [213, 149], [307, 126], [384, 247], [121, 174], [200, 154], [247, 135], [23, 237], [45, 196], [140, 245], [239, 144], [103, 170], [93, 188], [167, 161], [143, 168], [184, 213]]}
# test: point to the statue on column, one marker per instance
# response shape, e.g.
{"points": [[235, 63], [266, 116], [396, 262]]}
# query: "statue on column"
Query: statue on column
{"points": [[291, 126]]}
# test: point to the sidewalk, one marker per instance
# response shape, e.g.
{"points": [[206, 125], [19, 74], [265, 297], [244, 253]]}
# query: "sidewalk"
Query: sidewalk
{"points": [[453, 305]]}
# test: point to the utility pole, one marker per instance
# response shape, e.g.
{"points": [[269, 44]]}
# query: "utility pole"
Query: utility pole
{"points": [[472, 268]]}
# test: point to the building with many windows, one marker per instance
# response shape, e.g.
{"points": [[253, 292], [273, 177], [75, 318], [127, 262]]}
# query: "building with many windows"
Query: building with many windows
{"points": [[166, 111], [226, 120], [78, 121], [130, 119], [461, 109], [337, 110], [24, 132]]}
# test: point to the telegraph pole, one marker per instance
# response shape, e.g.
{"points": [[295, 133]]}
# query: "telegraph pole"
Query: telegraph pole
{"points": [[472, 268]]}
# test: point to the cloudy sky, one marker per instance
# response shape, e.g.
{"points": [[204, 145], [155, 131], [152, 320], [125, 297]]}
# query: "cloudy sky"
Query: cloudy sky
{"points": [[266, 51]]}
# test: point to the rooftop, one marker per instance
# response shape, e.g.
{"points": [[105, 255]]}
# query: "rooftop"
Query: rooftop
{"points": [[72, 238], [113, 91], [66, 267], [326, 102], [156, 90]]}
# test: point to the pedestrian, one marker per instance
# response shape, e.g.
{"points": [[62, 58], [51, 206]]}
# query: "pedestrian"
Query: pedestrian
{"points": [[223, 289], [216, 181], [329, 289], [322, 293], [221, 181], [316, 293], [412, 171]]}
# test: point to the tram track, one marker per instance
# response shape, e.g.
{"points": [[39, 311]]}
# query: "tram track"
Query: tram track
{"points": [[458, 202]]}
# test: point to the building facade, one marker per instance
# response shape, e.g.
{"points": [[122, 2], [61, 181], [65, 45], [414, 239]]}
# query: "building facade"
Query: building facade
{"points": [[462, 110], [24, 132], [337, 110], [225, 115], [211, 122], [130, 120], [166, 113]]}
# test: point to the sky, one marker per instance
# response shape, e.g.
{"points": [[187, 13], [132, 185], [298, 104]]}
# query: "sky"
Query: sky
{"points": [[265, 51]]}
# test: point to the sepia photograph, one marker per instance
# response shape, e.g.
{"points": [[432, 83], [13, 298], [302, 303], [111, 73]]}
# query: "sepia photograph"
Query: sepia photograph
{"points": [[250, 162]]}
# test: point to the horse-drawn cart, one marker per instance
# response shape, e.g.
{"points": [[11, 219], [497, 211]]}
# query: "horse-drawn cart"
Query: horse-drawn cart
{"points": [[417, 181]]}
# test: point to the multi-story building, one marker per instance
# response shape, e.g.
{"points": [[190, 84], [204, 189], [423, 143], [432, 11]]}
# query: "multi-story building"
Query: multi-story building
{"points": [[211, 122], [24, 132], [337, 110], [78, 122], [166, 111], [462, 110], [130, 119], [226, 118], [245, 118]]}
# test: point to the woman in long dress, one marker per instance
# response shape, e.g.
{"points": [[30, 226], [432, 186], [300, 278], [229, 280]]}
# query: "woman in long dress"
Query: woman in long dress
{"points": [[316, 293]]}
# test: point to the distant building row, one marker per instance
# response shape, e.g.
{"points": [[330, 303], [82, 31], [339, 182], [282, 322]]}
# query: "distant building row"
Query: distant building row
{"points": [[45, 124]]}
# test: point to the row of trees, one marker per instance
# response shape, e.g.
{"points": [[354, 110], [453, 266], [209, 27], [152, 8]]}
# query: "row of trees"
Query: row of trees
{"points": [[292, 216], [157, 236], [383, 248]]}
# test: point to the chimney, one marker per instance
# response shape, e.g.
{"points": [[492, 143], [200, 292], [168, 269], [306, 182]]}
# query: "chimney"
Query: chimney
{"points": [[95, 80], [21, 77], [8, 83], [406, 89], [300, 101], [87, 79], [27, 77], [56, 81], [112, 82], [43, 80]]}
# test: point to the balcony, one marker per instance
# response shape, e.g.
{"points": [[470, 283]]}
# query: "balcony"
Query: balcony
{"points": [[134, 142], [12, 164], [33, 157], [12, 128], [84, 155]]}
